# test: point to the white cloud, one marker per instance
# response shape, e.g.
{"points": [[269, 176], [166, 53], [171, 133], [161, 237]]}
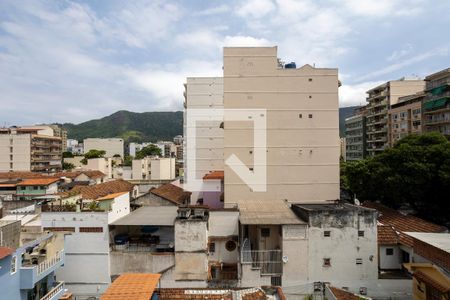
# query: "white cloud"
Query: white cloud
{"points": [[214, 10], [397, 54], [255, 8], [350, 95]]}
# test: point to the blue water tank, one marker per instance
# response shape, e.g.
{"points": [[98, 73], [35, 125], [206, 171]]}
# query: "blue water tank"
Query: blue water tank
{"points": [[291, 65]]}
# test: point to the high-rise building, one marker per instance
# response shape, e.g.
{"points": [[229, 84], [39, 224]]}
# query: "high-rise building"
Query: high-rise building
{"points": [[32, 148], [405, 117], [379, 100], [355, 135], [300, 106], [436, 105], [206, 147], [62, 133]]}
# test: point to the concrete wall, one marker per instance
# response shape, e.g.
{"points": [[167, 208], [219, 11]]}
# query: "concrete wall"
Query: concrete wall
{"points": [[390, 261], [302, 152], [190, 235], [140, 262], [86, 270], [10, 233], [112, 146], [120, 207], [221, 254], [162, 168], [76, 161], [295, 249], [191, 266], [150, 199]]}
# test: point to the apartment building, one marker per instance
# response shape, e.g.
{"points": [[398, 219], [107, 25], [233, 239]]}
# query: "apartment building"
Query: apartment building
{"points": [[355, 135], [405, 117], [153, 168], [112, 146], [59, 131], [204, 151], [32, 148], [379, 100], [436, 105], [300, 108]]}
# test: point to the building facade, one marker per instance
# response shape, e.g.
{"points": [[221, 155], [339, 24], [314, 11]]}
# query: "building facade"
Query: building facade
{"points": [[355, 135], [300, 106], [436, 105], [62, 133], [379, 101], [30, 149], [112, 146], [405, 117]]}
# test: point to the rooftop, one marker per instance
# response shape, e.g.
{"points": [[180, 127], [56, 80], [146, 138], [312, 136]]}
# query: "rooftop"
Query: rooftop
{"points": [[132, 286], [21, 175], [219, 294], [111, 196], [273, 212], [438, 240], [172, 193], [331, 207], [340, 294], [387, 235], [401, 222], [37, 181], [103, 189], [74, 174], [217, 175], [149, 215]]}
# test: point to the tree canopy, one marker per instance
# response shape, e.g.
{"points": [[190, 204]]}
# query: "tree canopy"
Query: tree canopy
{"points": [[93, 153], [415, 172], [148, 151]]}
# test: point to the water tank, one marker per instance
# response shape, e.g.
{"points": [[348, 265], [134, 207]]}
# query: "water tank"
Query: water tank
{"points": [[290, 65]]}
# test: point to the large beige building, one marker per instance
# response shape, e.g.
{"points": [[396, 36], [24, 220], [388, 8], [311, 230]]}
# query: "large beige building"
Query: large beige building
{"points": [[206, 147], [32, 148], [302, 138], [62, 133], [112, 146], [379, 100]]}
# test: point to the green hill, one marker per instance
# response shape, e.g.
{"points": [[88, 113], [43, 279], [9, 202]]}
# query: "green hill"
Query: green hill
{"points": [[148, 126], [131, 126]]}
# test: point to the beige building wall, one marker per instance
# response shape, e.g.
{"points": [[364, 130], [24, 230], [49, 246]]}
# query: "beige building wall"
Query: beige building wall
{"points": [[15, 152], [204, 93], [303, 144], [162, 168], [405, 118], [112, 146]]}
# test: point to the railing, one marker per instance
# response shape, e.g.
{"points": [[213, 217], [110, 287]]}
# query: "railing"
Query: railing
{"points": [[55, 291], [166, 247], [45, 265], [268, 261]]}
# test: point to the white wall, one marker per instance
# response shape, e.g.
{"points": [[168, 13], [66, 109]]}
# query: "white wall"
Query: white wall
{"points": [[120, 207], [390, 261]]}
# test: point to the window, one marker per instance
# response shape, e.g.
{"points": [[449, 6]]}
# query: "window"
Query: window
{"points": [[35, 187], [300, 116], [212, 247], [69, 229], [327, 233], [310, 97], [91, 229], [359, 261], [327, 262], [361, 233], [275, 281], [416, 111], [265, 232], [310, 116], [389, 251], [13, 264], [395, 116], [309, 79]]}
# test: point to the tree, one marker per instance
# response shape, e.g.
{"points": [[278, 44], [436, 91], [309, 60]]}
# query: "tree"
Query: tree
{"points": [[148, 151], [68, 166], [127, 161], [93, 153], [67, 154], [415, 172]]}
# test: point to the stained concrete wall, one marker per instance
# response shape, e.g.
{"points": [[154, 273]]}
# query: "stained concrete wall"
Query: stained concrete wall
{"points": [[190, 236], [191, 266], [140, 262]]}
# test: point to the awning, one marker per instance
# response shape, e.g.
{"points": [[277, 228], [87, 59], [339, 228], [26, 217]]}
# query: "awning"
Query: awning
{"points": [[150, 215], [436, 104]]}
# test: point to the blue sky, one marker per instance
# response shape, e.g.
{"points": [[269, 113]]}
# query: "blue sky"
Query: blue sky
{"points": [[72, 61]]}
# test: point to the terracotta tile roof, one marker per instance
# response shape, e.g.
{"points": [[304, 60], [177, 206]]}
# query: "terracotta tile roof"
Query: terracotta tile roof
{"points": [[132, 286], [172, 193], [38, 181], [387, 235], [103, 189], [214, 175], [111, 196], [21, 175], [440, 286], [343, 295], [194, 294], [5, 251], [91, 174], [403, 223]]}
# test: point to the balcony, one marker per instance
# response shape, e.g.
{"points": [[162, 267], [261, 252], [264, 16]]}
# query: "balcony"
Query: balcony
{"points": [[269, 262], [55, 293], [31, 273]]}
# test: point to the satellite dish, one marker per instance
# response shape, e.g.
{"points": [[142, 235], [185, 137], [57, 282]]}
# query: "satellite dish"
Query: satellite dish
{"points": [[285, 258]]}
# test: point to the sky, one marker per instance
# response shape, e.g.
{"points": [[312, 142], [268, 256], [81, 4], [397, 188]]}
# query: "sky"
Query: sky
{"points": [[72, 61]]}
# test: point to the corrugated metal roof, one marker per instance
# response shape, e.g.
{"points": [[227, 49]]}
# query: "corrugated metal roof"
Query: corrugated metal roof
{"points": [[266, 212], [150, 215], [438, 240]]}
